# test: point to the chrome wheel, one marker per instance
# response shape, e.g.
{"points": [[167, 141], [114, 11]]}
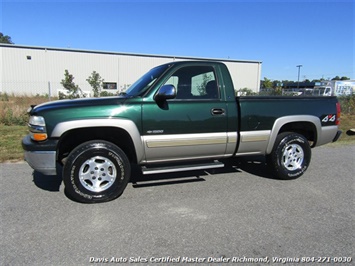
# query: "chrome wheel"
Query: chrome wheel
{"points": [[96, 171], [97, 174], [292, 157]]}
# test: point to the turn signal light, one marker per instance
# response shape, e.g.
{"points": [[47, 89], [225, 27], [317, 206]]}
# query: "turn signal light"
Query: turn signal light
{"points": [[39, 136]]}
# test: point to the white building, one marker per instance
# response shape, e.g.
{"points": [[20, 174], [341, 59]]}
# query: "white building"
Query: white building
{"points": [[33, 70]]}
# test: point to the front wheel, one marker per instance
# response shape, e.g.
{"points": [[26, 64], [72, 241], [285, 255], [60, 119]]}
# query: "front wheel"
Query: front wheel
{"points": [[96, 171], [290, 156]]}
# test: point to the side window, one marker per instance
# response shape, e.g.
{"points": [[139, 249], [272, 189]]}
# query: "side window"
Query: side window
{"points": [[204, 86], [173, 80], [195, 82]]}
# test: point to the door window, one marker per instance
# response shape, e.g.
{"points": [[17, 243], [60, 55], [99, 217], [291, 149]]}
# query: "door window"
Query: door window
{"points": [[195, 82]]}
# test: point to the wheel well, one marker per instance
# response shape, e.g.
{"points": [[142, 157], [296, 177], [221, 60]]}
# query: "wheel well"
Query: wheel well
{"points": [[307, 129], [75, 137]]}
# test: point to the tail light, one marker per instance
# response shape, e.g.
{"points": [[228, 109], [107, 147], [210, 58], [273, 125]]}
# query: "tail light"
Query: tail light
{"points": [[337, 121]]}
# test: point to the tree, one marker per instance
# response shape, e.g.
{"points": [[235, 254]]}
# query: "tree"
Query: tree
{"points": [[267, 83], [5, 38], [244, 92], [96, 82], [73, 91], [202, 87], [340, 78]]}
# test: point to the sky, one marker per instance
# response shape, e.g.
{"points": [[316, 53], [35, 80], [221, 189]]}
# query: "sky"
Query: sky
{"points": [[319, 35]]}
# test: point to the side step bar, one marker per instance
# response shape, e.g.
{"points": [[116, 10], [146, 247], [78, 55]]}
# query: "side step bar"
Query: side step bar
{"points": [[180, 168]]}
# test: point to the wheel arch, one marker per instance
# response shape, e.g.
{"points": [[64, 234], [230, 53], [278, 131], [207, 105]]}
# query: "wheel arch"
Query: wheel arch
{"points": [[306, 125], [122, 133]]}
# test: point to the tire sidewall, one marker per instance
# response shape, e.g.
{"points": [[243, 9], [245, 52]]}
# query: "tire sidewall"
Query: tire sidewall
{"points": [[284, 141], [79, 156]]}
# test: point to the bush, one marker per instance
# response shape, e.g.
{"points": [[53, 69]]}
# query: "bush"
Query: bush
{"points": [[96, 82], [13, 109], [347, 104], [73, 90], [12, 115], [107, 94], [4, 97], [245, 92]]}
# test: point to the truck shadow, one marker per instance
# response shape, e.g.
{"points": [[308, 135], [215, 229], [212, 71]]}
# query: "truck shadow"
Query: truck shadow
{"points": [[139, 180], [50, 183], [255, 166]]}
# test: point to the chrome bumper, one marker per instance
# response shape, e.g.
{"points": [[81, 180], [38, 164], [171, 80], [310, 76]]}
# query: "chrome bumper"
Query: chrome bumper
{"points": [[42, 161]]}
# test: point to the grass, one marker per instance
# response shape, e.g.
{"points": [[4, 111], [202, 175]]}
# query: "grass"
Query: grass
{"points": [[13, 120], [10, 143], [13, 109], [346, 122]]}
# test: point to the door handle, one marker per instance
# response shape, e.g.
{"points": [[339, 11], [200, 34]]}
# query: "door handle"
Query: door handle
{"points": [[218, 111]]}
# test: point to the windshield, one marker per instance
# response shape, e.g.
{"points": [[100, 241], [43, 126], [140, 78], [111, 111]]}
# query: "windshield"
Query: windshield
{"points": [[144, 83]]}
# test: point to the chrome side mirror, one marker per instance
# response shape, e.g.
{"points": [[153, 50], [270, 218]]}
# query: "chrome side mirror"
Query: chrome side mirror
{"points": [[166, 92]]}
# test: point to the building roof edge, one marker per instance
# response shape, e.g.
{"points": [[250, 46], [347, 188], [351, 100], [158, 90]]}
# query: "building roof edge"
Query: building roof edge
{"points": [[122, 53]]}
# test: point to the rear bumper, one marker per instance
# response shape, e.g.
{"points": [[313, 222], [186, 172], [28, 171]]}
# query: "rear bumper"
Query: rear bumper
{"points": [[337, 136], [328, 134], [40, 156]]}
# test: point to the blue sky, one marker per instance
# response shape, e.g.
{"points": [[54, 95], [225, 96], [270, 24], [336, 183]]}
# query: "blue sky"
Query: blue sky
{"points": [[319, 35]]}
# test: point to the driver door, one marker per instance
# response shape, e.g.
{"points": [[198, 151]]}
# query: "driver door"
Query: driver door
{"points": [[191, 126]]}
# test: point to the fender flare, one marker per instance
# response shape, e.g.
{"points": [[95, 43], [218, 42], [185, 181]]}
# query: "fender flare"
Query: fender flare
{"points": [[280, 122], [125, 124]]}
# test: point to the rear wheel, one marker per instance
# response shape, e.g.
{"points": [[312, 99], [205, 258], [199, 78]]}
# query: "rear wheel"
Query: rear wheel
{"points": [[96, 171], [290, 156]]}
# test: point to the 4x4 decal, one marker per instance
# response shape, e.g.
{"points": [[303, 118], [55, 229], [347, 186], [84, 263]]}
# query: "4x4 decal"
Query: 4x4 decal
{"points": [[329, 118]]}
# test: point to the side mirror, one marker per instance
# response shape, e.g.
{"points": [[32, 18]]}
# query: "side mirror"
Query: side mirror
{"points": [[166, 92]]}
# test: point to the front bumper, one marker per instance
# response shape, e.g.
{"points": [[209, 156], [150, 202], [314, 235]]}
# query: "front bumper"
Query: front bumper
{"points": [[40, 156]]}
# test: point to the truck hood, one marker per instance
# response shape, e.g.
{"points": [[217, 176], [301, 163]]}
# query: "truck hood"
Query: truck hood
{"points": [[76, 103]]}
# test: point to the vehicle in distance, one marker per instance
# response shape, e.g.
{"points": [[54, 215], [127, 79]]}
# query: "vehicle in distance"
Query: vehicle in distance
{"points": [[179, 116]]}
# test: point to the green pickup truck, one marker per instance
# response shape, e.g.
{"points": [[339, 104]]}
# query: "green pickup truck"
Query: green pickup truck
{"points": [[177, 117]]}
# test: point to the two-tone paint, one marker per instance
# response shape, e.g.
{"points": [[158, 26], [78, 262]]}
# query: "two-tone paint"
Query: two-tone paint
{"points": [[180, 129]]}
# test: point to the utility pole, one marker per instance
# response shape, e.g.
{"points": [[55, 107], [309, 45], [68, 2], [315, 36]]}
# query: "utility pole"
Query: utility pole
{"points": [[298, 80]]}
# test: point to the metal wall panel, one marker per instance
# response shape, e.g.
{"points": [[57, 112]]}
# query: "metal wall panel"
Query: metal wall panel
{"points": [[39, 70]]}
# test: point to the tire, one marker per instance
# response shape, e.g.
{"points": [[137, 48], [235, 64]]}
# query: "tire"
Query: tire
{"points": [[290, 156], [96, 171]]}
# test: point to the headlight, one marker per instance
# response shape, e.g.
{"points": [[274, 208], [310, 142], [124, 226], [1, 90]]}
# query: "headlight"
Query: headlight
{"points": [[37, 128], [37, 120]]}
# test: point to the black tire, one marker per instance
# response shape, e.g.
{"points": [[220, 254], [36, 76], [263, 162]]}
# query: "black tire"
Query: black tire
{"points": [[96, 171], [290, 156]]}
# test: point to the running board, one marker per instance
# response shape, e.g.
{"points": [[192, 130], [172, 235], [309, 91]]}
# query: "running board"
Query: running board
{"points": [[181, 168]]}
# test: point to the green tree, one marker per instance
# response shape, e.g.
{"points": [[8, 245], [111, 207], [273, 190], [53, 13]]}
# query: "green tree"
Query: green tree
{"points": [[96, 82], [202, 87], [244, 92], [5, 38], [73, 91], [344, 78], [340, 78], [267, 83]]}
